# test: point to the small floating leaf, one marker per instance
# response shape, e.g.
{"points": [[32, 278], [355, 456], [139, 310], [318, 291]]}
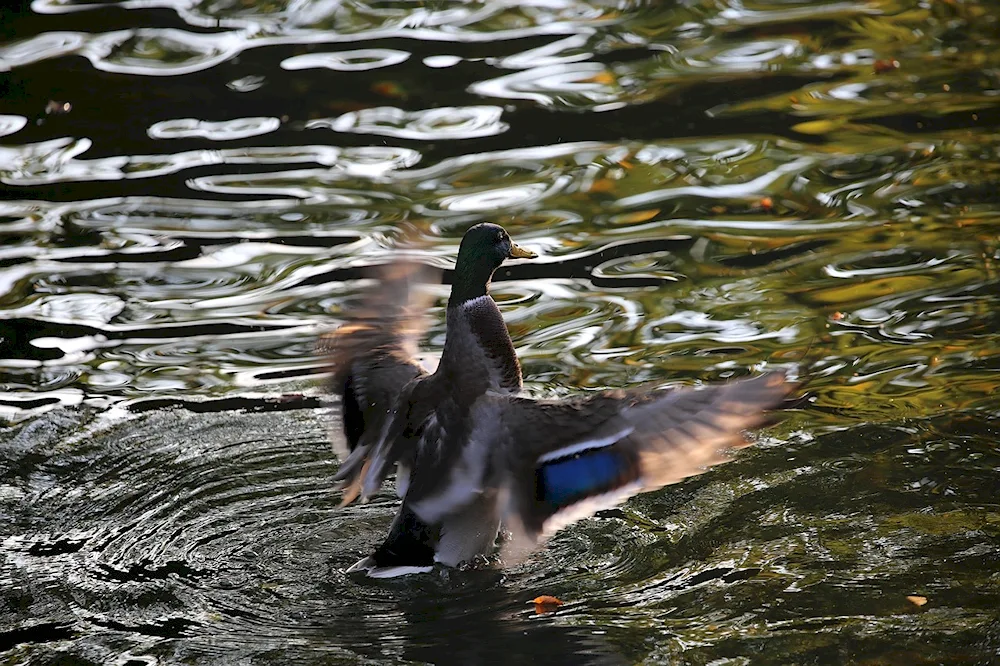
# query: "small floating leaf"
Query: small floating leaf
{"points": [[545, 604], [603, 78], [57, 108], [389, 89], [546, 599], [602, 185], [817, 126], [883, 66], [914, 599], [636, 216]]}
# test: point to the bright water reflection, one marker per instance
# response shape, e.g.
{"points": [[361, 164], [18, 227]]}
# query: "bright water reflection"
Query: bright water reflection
{"points": [[191, 192]]}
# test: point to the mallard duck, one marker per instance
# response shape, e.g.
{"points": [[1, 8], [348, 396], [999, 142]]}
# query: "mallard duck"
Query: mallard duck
{"points": [[473, 454]]}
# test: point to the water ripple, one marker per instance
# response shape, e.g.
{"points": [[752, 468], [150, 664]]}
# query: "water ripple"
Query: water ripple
{"points": [[575, 85], [226, 130], [41, 47], [11, 124], [57, 161], [142, 52], [467, 122], [359, 60]]}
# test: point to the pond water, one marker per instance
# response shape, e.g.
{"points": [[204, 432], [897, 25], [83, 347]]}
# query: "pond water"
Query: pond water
{"points": [[190, 192]]}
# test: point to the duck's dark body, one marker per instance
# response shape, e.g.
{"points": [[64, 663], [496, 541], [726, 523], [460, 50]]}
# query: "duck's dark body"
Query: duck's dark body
{"points": [[471, 452]]}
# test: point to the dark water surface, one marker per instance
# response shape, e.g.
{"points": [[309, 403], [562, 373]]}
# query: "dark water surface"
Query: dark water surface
{"points": [[191, 191]]}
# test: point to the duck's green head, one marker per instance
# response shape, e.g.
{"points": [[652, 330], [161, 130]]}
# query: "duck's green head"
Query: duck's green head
{"points": [[484, 247]]}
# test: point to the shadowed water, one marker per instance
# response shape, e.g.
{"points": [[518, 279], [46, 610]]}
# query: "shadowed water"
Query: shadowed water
{"points": [[190, 193]]}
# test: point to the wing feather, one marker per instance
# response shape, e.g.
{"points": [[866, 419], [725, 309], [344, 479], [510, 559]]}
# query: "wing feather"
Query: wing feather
{"points": [[565, 460], [372, 361]]}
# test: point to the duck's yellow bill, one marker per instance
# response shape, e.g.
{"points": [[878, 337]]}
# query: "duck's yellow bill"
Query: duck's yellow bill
{"points": [[518, 252]]}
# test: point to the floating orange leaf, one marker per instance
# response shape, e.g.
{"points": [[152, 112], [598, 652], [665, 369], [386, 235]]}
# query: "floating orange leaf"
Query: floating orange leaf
{"points": [[602, 185], [603, 78], [545, 604], [883, 66], [816, 127], [57, 108], [636, 216], [916, 600], [389, 89]]}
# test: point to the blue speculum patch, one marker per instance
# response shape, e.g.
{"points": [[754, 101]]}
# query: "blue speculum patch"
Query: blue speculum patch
{"points": [[563, 481]]}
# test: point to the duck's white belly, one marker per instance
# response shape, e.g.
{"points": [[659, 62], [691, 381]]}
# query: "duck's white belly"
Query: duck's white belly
{"points": [[471, 532]]}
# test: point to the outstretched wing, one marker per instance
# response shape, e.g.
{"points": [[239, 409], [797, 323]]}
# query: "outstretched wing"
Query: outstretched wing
{"points": [[564, 460], [372, 358]]}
